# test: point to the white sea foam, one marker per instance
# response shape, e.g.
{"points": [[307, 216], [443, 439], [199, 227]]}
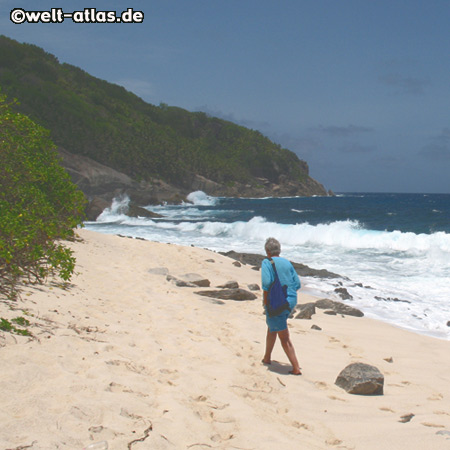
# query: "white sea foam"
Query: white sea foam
{"points": [[300, 211], [200, 198]]}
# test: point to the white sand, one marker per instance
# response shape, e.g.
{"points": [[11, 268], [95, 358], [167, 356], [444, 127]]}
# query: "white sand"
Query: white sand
{"points": [[124, 355]]}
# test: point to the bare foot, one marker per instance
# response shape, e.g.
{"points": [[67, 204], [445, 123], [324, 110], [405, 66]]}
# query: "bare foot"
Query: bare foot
{"points": [[266, 362], [295, 372]]}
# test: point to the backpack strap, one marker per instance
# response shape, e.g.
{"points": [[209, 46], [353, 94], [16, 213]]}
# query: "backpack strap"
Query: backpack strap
{"points": [[273, 266]]}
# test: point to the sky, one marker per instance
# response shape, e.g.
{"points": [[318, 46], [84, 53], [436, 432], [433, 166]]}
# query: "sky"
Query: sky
{"points": [[359, 90]]}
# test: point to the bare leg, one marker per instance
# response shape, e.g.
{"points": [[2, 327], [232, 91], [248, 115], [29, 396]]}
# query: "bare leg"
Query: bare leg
{"points": [[270, 343], [288, 348]]}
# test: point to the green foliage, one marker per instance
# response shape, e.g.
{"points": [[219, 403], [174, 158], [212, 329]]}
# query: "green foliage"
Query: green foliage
{"points": [[21, 321], [6, 325], [39, 205], [101, 120]]}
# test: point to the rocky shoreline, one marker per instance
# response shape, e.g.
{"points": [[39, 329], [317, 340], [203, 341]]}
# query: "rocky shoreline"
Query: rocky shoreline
{"points": [[101, 184]]}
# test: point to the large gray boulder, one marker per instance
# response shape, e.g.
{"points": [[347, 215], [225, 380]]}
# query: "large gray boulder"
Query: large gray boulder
{"points": [[343, 293], [229, 294], [254, 287], [255, 260], [361, 379], [95, 207], [338, 307], [304, 311], [189, 280], [134, 210], [229, 285]]}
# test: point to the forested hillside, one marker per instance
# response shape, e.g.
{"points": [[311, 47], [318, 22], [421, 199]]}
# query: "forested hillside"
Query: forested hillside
{"points": [[103, 121]]}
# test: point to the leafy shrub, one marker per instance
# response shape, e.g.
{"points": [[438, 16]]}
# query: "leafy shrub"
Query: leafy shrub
{"points": [[5, 325], [39, 205]]}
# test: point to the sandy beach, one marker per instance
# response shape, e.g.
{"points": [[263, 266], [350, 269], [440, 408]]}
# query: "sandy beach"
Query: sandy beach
{"points": [[123, 355]]}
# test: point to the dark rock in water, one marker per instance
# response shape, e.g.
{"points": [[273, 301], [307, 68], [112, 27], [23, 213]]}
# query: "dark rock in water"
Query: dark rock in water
{"points": [[255, 260], [95, 207], [229, 294], [306, 311], [340, 308], [254, 287], [315, 327], [305, 271], [361, 379], [229, 285], [343, 293], [448, 323], [98, 204], [390, 299], [246, 258], [137, 211]]}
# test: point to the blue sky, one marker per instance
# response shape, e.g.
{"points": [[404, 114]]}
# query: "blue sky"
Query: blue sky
{"points": [[358, 89]]}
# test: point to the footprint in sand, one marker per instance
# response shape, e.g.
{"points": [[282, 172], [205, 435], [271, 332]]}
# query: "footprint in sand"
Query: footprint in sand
{"points": [[441, 413], [386, 409], [332, 397], [172, 375], [218, 438], [432, 425], [304, 426], [128, 415], [129, 366], [436, 397], [116, 387], [321, 384], [209, 411]]}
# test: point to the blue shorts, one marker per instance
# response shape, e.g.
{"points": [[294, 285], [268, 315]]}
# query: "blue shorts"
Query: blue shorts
{"points": [[277, 323]]}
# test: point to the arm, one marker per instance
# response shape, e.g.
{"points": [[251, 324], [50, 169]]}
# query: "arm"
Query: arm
{"points": [[295, 280], [266, 279]]}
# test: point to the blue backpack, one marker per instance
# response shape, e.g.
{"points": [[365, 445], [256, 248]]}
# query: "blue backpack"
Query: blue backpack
{"points": [[277, 296]]}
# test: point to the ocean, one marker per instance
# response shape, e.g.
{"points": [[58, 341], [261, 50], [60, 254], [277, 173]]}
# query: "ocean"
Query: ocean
{"points": [[392, 251]]}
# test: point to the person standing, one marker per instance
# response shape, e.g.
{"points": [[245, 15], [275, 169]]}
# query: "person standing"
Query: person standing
{"points": [[277, 325]]}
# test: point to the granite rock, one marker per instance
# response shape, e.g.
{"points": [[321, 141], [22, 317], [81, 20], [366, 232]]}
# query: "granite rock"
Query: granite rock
{"points": [[361, 379], [229, 294]]}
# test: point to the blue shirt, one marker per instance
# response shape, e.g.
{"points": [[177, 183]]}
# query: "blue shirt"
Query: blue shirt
{"points": [[287, 275]]}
